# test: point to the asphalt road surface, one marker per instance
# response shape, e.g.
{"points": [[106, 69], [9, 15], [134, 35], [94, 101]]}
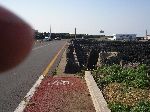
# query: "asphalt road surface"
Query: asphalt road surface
{"points": [[15, 83]]}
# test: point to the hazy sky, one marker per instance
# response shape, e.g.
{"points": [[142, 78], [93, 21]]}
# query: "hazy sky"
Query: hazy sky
{"points": [[88, 16]]}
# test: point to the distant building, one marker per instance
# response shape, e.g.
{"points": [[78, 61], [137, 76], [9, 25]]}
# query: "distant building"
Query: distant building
{"points": [[123, 37], [147, 37]]}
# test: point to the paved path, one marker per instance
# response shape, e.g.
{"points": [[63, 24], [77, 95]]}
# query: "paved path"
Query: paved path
{"points": [[61, 94]]}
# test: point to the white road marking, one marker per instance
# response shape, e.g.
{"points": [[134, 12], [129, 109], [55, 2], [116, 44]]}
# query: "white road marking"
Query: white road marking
{"points": [[37, 48], [40, 47], [61, 82], [24, 102]]}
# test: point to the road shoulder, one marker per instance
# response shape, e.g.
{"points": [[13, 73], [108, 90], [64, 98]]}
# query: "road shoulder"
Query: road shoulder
{"points": [[61, 93]]}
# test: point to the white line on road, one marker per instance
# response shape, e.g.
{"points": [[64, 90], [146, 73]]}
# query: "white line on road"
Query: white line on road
{"points": [[24, 102], [40, 47]]}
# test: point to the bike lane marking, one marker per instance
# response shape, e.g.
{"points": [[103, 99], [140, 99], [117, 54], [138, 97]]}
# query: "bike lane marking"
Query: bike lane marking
{"points": [[51, 95], [31, 92]]}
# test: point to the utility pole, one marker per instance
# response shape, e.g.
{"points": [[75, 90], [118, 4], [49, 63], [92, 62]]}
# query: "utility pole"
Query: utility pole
{"points": [[75, 33], [146, 35], [50, 33]]}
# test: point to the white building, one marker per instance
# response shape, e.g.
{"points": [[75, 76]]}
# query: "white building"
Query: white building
{"points": [[147, 37], [124, 37]]}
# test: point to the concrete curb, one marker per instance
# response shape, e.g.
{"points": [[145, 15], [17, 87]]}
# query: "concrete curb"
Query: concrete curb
{"points": [[96, 95]]}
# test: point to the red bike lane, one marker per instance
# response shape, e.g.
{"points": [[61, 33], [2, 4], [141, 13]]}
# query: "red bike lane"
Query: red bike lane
{"points": [[61, 94]]}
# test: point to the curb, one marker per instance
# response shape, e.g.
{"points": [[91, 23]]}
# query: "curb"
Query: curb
{"points": [[98, 100]]}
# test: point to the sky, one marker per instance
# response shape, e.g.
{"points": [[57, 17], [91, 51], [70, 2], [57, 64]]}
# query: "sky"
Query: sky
{"points": [[88, 16]]}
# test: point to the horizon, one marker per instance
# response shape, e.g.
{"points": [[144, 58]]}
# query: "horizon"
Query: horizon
{"points": [[89, 17]]}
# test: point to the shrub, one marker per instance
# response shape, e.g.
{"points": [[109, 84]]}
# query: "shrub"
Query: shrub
{"points": [[118, 107], [143, 106], [131, 77], [117, 92]]}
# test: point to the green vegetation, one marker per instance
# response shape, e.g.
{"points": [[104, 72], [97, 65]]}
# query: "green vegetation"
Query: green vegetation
{"points": [[125, 89], [131, 77], [142, 106], [54, 72], [118, 107], [81, 73]]}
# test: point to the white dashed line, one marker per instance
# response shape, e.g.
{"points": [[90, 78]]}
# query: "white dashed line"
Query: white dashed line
{"points": [[40, 47]]}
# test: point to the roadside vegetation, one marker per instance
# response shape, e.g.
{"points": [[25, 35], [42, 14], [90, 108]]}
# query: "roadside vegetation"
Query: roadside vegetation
{"points": [[125, 89], [54, 72], [120, 68]]}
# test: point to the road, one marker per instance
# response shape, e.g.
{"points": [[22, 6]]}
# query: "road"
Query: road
{"points": [[15, 83]]}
